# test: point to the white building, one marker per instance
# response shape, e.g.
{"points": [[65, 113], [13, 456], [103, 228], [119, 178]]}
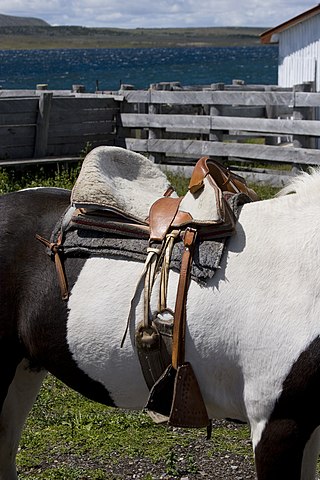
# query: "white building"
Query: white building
{"points": [[299, 48]]}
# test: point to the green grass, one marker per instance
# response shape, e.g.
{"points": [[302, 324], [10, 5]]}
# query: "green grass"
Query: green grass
{"points": [[64, 176], [180, 184], [69, 437]]}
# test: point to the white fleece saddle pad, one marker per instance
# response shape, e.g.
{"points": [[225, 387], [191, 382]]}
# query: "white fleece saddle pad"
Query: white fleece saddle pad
{"points": [[119, 180]]}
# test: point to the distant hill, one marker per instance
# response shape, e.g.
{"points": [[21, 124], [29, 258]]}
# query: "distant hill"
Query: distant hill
{"points": [[38, 33], [13, 21]]}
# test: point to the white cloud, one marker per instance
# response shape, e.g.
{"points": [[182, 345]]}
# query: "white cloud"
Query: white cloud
{"points": [[158, 13]]}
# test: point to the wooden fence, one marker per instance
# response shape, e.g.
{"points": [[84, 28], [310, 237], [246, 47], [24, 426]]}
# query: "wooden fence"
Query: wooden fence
{"points": [[53, 124], [241, 124], [174, 126]]}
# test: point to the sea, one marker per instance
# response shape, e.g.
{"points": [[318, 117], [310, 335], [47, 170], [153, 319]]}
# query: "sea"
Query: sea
{"points": [[106, 69]]}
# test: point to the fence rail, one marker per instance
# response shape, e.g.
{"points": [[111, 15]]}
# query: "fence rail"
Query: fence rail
{"points": [[220, 97], [174, 126]]}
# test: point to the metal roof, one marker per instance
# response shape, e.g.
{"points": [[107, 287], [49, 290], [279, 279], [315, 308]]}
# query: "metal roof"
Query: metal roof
{"points": [[271, 35]]}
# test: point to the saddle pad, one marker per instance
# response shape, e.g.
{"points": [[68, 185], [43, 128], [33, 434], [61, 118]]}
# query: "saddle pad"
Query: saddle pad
{"points": [[119, 180], [86, 243]]}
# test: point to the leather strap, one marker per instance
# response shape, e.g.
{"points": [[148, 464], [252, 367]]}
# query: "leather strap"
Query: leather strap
{"points": [[56, 251], [164, 277], [179, 326]]}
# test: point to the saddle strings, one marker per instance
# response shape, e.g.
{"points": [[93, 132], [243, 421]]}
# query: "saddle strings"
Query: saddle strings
{"points": [[157, 257], [170, 241]]}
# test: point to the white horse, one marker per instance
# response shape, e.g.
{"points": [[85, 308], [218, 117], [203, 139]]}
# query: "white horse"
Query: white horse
{"points": [[252, 332]]}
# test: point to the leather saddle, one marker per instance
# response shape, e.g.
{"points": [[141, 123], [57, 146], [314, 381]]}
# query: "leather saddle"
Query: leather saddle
{"points": [[204, 207]]}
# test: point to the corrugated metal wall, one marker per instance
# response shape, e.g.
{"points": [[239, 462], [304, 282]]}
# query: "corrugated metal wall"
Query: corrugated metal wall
{"points": [[299, 54]]}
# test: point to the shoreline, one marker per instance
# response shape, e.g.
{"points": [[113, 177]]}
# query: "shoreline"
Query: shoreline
{"points": [[30, 38]]}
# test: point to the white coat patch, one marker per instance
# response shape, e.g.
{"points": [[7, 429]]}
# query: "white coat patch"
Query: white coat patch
{"points": [[99, 306], [244, 330]]}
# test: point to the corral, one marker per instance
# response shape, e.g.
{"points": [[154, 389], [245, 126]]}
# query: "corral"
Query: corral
{"points": [[241, 124]]}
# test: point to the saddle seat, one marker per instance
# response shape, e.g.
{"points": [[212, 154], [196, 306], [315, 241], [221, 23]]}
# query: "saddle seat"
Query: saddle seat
{"points": [[119, 183]]}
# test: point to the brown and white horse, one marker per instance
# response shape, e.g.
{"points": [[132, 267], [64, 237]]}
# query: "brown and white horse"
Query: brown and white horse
{"points": [[253, 332]]}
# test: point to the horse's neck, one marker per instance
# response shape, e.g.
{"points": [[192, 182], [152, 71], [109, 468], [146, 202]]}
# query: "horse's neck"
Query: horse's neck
{"points": [[275, 235], [280, 213]]}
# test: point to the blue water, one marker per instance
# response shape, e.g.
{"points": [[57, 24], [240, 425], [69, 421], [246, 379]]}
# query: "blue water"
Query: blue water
{"points": [[191, 66]]}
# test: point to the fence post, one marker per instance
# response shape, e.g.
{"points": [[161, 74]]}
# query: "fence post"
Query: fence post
{"points": [[122, 133], [271, 112], [303, 113], [155, 133], [42, 125], [214, 111], [78, 89]]}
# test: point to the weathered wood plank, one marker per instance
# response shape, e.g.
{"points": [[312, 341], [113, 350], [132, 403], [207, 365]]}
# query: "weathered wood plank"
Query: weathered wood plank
{"points": [[63, 149], [18, 105], [252, 151], [31, 93], [82, 139], [67, 116], [76, 145], [301, 127], [243, 111], [89, 128], [307, 99], [298, 99], [42, 127], [84, 103], [206, 123], [23, 118], [165, 121], [59, 93], [15, 151], [211, 97], [17, 135]]}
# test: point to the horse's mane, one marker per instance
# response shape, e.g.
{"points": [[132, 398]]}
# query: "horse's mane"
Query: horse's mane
{"points": [[305, 185]]}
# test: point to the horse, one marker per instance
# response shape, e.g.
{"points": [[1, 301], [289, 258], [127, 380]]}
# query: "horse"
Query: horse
{"points": [[252, 337]]}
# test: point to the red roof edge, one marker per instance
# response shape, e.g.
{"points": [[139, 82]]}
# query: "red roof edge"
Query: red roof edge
{"points": [[266, 37]]}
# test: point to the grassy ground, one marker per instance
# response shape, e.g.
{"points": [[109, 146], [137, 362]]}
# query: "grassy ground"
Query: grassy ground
{"points": [[69, 437]]}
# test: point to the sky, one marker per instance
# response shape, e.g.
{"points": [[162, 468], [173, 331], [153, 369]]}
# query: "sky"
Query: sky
{"points": [[159, 13]]}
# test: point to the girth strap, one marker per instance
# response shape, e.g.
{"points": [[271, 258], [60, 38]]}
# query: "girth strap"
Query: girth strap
{"points": [[179, 326]]}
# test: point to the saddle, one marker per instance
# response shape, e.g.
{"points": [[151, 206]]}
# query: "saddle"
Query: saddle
{"points": [[124, 194]]}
